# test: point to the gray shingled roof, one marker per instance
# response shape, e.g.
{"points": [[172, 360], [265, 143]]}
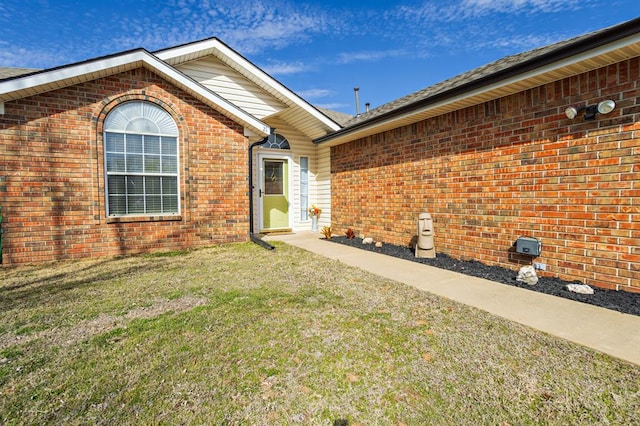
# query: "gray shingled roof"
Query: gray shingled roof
{"points": [[473, 76], [14, 72], [339, 117]]}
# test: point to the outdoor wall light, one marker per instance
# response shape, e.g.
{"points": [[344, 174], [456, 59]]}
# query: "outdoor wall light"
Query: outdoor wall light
{"points": [[604, 107]]}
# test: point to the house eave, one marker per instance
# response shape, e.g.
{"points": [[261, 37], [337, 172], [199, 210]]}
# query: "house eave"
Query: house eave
{"points": [[589, 54], [61, 77], [297, 111], [56, 78]]}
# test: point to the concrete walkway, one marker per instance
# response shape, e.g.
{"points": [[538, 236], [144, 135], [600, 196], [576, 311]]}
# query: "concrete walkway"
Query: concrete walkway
{"points": [[604, 330]]}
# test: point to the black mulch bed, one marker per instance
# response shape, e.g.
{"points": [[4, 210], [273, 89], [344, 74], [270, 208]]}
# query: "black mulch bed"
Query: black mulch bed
{"points": [[620, 301]]}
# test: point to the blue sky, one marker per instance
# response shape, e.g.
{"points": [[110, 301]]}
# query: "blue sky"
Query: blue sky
{"points": [[319, 49]]}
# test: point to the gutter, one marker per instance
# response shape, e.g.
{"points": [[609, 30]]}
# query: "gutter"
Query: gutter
{"points": [[252, 236], [596, 40]]}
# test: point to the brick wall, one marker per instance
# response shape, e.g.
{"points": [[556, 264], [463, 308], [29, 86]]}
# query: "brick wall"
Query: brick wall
{"points": [[52, 174], [511, 167]]}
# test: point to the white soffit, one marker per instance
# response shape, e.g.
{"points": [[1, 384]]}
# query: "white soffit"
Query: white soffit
{"points": [[237, 62], [44, 81]]}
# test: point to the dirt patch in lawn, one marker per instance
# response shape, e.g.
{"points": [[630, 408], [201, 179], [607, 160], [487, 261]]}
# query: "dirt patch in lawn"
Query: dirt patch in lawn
{"points": [[83, 330]]}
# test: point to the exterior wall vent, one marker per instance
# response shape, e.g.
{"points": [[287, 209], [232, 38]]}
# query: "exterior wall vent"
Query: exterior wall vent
{"points": [[528, 245]]}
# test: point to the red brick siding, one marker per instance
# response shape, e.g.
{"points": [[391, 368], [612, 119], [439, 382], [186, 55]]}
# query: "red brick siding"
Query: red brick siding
{"points": [[52, 174], [511, 167]]}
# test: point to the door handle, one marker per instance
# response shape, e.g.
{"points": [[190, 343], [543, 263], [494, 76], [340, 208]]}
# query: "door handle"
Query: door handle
{"points": [[260, 192]]}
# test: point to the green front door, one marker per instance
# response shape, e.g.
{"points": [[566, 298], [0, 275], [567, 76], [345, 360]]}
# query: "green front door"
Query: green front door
{"points": [[275, 190]]}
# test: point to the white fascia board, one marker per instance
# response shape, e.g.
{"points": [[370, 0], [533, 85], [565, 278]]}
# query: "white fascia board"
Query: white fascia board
{"points": [[250, 71], [72, 72], [188, 49], [83, 72]]}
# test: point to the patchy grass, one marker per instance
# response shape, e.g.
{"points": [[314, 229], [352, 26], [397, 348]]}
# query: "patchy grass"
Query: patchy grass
{"points": [[237, 334]]}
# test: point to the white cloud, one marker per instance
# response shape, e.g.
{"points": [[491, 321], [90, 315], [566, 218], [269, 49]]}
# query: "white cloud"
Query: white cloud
{"points": [[30, 58], [314, 93], [283, 68], [249, 26], [369, 56], [256, 27], [467, 25], [463, 10], [482, 7], [334, 106]]}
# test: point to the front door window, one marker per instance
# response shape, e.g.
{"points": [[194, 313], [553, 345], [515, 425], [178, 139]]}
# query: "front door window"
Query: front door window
{"points": [[273, 177]]}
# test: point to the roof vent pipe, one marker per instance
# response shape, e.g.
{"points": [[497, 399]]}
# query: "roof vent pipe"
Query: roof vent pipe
{"points": [[357, 90], [367, 106]]}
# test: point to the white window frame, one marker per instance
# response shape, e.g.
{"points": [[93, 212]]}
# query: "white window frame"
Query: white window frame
{"points": [[304, 189], [141, 119]]}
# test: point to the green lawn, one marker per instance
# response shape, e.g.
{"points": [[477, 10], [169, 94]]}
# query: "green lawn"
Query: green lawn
{"points": [[237, 334]]}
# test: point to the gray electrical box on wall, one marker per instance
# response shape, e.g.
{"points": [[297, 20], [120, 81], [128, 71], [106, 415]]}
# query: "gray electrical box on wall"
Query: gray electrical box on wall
{"points": [[528, 245]]}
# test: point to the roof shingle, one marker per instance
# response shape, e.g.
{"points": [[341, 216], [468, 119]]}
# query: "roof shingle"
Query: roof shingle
{"points": [[475, 75], [14, 72]]}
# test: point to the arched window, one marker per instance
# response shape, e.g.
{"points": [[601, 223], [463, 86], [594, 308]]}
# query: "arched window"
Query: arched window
{"points": [[141, 161], [276, 141]]}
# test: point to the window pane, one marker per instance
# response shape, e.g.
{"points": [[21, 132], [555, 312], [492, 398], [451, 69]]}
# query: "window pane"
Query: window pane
{"points": [[304, 188], [169, 164], [134, 143], [152, 185], [170, 186], [142, 125], [115, 163], [152, 144], [152, 163], [273, 178], [169, 146], [135, 203], [117, 205], [115, 142], [135, 185], [277, 142], [134, 163], [117, 185], [170, 204], [154, 204]]}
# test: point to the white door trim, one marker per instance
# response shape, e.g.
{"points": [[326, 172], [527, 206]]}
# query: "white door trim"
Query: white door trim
{"points": [[274, 155]]}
